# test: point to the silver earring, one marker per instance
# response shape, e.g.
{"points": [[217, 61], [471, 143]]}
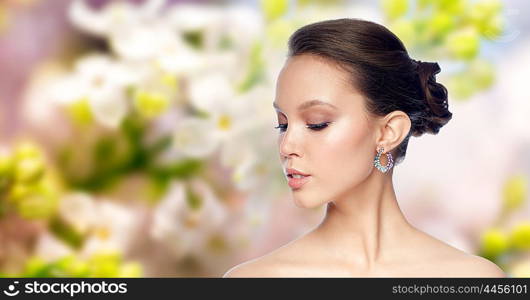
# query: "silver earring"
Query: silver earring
{"points": [[377, 161]]}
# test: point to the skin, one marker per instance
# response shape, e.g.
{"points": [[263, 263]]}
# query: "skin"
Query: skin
{"points": [[364, 233]]}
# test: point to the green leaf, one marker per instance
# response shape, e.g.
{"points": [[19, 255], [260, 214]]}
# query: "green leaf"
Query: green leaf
{"points": [[515, 191], [66, 233], [256, 69], [493, 243], [395, 8], [274, 9], [194, 38], [520, 236], [194, 201], [463, 43]]}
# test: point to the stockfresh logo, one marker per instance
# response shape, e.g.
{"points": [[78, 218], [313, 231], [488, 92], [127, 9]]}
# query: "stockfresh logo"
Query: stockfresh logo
{"points": [[12, 290]]}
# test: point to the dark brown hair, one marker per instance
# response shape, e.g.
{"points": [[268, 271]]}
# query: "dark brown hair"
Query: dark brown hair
{"points": [[381, 70]]}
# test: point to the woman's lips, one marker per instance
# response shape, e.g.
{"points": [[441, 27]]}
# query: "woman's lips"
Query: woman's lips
{"points": [[296, 183]]}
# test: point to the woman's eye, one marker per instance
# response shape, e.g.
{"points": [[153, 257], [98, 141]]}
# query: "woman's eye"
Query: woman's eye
{"points": [[318, 126], [282, 127], [315, 127]]}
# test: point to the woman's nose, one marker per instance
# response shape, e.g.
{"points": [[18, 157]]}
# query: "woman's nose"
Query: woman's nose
{"points": [[288, 147]]}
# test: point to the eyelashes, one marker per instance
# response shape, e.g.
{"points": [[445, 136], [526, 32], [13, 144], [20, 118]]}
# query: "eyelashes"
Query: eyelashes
{"points": [[314, 127]]}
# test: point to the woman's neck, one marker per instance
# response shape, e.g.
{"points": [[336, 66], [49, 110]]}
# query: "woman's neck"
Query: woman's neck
{"points": [[365, 225]]}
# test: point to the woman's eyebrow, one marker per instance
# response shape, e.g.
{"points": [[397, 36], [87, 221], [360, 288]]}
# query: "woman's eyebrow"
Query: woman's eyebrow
{"points": [[308, 104]]}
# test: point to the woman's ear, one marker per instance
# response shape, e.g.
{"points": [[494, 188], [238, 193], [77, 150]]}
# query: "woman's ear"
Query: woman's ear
{"points": [[393, 129]]}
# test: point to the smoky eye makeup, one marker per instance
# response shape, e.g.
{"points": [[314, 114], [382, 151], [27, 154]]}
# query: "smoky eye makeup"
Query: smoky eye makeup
{"points": [[312, 126], [318, 126], [314, 120]]}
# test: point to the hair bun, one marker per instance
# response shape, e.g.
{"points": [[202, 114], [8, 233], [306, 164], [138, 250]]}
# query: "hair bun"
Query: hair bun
{"points": [[435, 95]]}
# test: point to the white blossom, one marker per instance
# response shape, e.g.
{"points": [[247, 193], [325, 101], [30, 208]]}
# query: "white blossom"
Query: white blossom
{"points": [[183, 228], [196, 137]]}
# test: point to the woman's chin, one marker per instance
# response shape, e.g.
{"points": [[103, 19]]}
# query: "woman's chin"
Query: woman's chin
{"points": [[305, 202]]}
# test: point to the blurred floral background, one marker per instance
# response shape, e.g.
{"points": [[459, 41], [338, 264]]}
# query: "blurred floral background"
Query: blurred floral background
{"points": [[137, 139]]}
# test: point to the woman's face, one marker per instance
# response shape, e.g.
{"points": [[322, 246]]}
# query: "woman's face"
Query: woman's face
{"points": [[331, 140]]}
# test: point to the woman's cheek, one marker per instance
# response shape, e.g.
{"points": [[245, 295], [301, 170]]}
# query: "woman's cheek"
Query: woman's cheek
{"points": [[347, 155]]}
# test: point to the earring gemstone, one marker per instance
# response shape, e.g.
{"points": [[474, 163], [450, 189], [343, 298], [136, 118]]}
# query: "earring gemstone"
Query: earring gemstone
{"points": [[377, 161]]}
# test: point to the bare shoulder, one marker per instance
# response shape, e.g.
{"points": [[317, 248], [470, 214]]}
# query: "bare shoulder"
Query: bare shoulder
{"points": [[277, 263], [265, 266], [253, 268], [477, 266], [454, 262]]}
